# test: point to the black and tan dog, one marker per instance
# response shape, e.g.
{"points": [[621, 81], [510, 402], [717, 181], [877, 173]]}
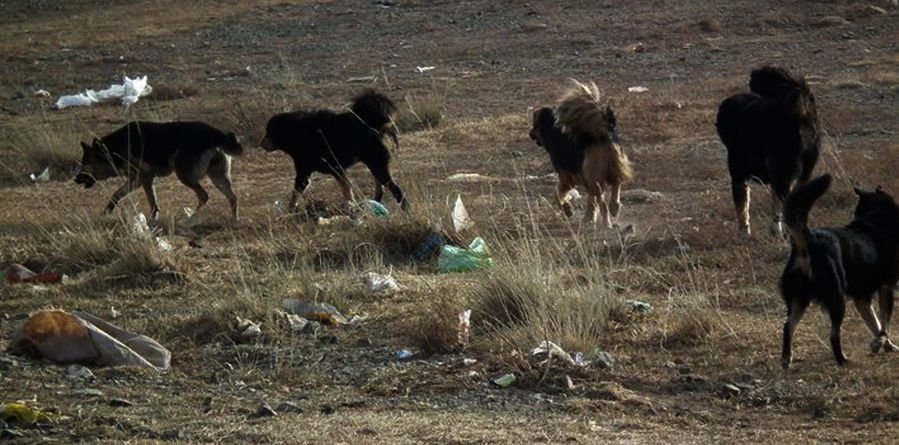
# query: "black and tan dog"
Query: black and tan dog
{"points": [[141, 151], [327, 142], [828, 266], [580, 136], [772, 136]]}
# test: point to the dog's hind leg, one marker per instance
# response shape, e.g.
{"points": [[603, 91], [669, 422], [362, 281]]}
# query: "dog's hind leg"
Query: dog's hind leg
{"points": [[866, 311], [795, 311], [777, 215], [740, 192], [220, 175], [129, 186], [562, 189], [886, 301], [615, 199], [837, 311]]}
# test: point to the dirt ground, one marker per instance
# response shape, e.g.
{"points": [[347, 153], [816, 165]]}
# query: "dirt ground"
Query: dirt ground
{"points": [[483, 65]]}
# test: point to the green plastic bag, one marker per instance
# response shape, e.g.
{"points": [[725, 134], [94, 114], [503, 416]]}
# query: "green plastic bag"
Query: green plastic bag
{"points": [[458, 259]]}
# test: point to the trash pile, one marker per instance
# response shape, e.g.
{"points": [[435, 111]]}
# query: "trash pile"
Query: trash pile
{"points": [[130, 91], [79, 337]]}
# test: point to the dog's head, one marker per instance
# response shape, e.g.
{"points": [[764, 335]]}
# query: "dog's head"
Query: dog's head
{"points": [[611, 123], [876, 206], [543, 117], [273, 129], [96, 164]]}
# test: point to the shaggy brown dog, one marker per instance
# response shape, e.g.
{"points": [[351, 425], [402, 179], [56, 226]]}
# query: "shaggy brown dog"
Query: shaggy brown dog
{"points": [[581, 139]]}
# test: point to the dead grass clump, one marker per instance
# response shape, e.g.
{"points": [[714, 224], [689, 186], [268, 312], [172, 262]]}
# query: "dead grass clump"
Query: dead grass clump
{"points": [[688, 327], [438, 329], [39, 144], [709, 24], [422, 112], [166, 92], [112, 250]]}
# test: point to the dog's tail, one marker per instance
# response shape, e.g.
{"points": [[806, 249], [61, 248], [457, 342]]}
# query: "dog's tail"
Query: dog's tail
{"points": [[773, 82], [796, 209], [579, 113], [376, 110]]}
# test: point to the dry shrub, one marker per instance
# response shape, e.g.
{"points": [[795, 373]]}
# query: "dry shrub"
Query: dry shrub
{"points": [[436, 331], [111, 249], [422, 112], [38, 143], [166, 92]]}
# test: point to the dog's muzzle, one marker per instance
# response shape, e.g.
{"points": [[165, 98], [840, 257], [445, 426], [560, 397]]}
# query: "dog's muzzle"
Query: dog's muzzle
{"points": [[267, 144], [85, 179], [533, 135]]}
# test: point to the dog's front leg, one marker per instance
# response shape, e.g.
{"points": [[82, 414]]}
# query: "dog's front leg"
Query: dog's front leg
{"points": [[300, 184], [615, 200], [867, 313], [146, 181], [563, 188], [885, 303], [129, 186]]}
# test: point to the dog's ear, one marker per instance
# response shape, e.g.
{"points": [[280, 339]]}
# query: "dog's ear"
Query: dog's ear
{"points": [[879, 189], [858, 191]]}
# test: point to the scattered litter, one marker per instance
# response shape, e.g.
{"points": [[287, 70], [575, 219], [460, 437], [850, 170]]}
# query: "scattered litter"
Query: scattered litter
{"points": [[78, 372], [504, 380], [120, 403], [569, 383], [458, 259], [604, 359], [378, 283], [113, 313], [327, 221], [464, 327], [264, 411], [79, 337], [432, 242], [22, 414], [461, 220], [403, 355], [424, 69], [89, 392], [637, 89], [17, 273], [248, 328], [573, 195], [42, 93], [43, 176], [320, 312], [129, 91], [375, 207], [639, 306], [469, 361], [468, 177], [551, 350], [730, 390], [139, 224], [296, 323], [362, 79]]}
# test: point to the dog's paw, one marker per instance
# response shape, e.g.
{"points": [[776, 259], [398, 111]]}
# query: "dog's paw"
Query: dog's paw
{"points": [[878, 343], [888, 346], [785, 363]]}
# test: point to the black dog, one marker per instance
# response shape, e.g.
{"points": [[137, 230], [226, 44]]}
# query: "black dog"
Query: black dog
{"points": [[327, 142], [772, 136], [829, 265], [144, 150]]}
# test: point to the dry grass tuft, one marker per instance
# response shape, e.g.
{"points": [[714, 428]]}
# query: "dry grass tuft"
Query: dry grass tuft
{"points": [[423, 112], [436, 331], [37, 144]]}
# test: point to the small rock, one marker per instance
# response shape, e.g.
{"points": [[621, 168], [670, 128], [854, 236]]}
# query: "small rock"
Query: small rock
{"points": [[120, 402], [328, 339], [173, 435], [78, 372], [90, 392], [264, 411], [290, 407], [604, 359]]}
